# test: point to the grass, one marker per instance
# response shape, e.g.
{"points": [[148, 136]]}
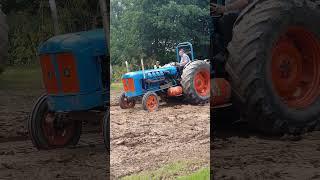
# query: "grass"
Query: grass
{"points": [[21, 78], [116, 87], [179, 170], [201, 174]]}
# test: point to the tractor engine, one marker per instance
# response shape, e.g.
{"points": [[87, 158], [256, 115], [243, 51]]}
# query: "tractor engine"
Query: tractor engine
{"points": [[139, 82], [74, 71]]}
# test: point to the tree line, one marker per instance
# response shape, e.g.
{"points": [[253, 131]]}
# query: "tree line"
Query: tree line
{"points": [[30, 24], [150, 29]]}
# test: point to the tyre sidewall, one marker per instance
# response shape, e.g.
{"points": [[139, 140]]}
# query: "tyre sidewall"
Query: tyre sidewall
{"points": [[36, 119], [189, 90], [145, 98], [298, 15]]}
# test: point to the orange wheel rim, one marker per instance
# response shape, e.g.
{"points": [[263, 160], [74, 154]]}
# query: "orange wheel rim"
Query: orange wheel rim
{"points": [[152, 103], [295, 67], [128, 103], [56, 136], [202, 82]]}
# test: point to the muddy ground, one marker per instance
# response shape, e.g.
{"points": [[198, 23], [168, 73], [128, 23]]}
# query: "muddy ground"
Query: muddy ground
{"points": [[20, 160], [240, 153], [143, 141]]}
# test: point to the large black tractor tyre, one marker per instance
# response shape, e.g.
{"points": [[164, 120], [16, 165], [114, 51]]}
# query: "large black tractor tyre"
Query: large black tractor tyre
{"points": [[3, 41], [274, 65], [195, 81], [106, 129], [42, 134]]}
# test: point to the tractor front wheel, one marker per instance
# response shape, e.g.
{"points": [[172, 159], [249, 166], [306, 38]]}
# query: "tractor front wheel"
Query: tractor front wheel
{"points": [[274, 65], [150, 102], [48, 131], [106, 129], [125, 103]]}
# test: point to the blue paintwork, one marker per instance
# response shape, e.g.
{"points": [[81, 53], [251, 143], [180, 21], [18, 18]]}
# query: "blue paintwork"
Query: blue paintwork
{"points": [[185, 45], [88, 48], [93, 40], [152, 74]]}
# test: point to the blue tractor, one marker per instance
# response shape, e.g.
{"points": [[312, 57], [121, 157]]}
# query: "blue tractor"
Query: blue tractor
{"points": [[190, 82], [75, 76]]}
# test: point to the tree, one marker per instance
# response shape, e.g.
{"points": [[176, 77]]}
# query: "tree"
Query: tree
{"points": [[152, 28]]}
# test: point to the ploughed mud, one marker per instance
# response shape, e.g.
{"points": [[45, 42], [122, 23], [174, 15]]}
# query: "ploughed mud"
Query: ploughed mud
{"points": [[143, 141], [239, 153], [20, 160]]}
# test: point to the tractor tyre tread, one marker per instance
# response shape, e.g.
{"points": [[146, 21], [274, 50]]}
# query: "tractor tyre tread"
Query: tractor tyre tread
{"points": [[145, 98], [106, 129], [249, 51], [35, 130], [187, 82]]}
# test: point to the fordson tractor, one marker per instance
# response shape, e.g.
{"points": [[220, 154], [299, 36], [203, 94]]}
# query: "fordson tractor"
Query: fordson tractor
{"points": [[75, 76], [270, 71], [191, 82]]}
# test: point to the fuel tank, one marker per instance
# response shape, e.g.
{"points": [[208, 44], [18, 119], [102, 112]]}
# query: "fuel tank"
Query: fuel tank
{"points": [[175, 91], [220, 92]]}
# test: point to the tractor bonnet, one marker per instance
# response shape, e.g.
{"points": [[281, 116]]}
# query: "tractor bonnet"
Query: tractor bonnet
{"points": [[90, 41]]}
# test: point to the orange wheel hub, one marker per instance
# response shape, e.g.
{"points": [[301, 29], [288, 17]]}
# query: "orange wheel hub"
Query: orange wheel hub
{"points": [[152, 103], [295, 67], [57, 136], [202, 82]]}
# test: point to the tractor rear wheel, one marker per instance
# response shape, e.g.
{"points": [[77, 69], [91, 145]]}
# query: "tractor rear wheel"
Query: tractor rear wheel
{"points": [[3, 41], [274, 65], [46, 133], [125, 103], [196, 82]]}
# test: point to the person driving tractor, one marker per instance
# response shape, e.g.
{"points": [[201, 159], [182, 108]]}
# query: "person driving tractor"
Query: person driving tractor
{"points": [[184, 58]]}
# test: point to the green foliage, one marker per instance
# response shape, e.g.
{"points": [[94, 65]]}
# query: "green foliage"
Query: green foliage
{"points": [[151, 29], [182, 170], [202, 174], [30, 24], [117, 72], [21, 78]]}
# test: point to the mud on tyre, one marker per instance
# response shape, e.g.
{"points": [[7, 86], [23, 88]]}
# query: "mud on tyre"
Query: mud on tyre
{"points": [[126, 103], [274, 65], [106, 129], [196, 82], [150, 101], [45, 136]]}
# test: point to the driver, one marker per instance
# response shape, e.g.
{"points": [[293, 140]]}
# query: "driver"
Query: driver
{"points": [[185, 59]]}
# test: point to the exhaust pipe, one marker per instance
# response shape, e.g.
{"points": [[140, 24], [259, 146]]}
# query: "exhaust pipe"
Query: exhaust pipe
{"points": [[127, 66], [142, 66]]}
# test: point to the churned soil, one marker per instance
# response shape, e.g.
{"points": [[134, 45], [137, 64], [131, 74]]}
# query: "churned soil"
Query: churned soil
{"points": [[239, 153], [20, 160], [143, 141]]}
